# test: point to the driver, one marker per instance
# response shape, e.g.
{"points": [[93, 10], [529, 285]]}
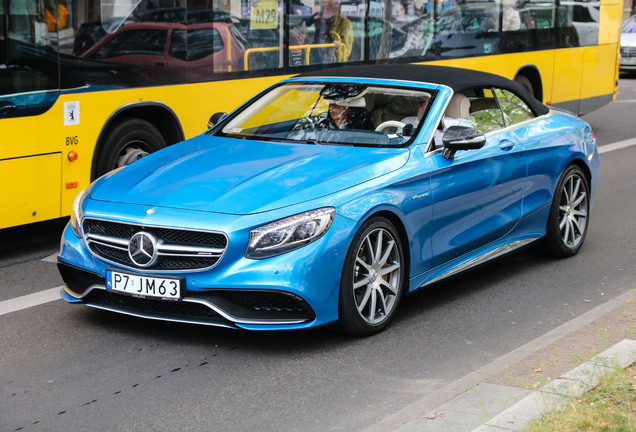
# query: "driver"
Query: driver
{"points": [[348, 114]]}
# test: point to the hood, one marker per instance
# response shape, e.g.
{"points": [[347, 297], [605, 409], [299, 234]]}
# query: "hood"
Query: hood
{"points": [[628, 40], [236, 176]]}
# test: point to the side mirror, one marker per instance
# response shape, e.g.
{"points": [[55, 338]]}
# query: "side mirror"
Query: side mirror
{"points": [[216, 117], [461, 138]]}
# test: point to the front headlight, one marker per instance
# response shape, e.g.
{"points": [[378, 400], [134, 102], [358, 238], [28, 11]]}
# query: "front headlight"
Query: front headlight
{"points": [[290, 233], [76, 216]]}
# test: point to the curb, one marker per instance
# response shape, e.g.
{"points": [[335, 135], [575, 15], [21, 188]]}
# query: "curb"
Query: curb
{"points": [[478, 402], [555, 396]]}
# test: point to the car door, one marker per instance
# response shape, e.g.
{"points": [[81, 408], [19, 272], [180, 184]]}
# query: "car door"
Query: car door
{"points": [[477, 195]]}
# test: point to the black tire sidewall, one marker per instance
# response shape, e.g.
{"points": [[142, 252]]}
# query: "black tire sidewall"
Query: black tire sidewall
{"points": [[526, 83], [123, 133], [350, 321]]}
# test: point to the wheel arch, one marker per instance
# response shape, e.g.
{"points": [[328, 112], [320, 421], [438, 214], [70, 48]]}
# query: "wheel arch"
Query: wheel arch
{"points": [[531, 72], [583, 166], [158, 114]]}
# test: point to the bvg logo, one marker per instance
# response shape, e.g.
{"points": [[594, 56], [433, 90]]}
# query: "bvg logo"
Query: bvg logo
{"points": [[72, 140]]}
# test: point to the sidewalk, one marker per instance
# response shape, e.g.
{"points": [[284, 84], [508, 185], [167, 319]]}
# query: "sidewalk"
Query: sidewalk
{"points": [[509, 393]]}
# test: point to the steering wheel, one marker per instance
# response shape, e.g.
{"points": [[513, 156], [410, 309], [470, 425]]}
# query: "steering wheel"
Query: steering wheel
{"points": [[390, 123]]}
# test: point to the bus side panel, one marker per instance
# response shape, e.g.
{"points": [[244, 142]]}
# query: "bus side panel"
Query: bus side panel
{"points": [[566, 86], [30, 191], [609, 32], [597, 81]]}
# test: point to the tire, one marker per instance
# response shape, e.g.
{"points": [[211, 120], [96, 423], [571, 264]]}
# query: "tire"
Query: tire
{"points": [[371, 285], [526, 83], [127, 142], [569, 214]]}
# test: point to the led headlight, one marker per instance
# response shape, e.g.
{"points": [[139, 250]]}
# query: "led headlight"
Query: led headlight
{"points": [[76, 216], [290, 233]]}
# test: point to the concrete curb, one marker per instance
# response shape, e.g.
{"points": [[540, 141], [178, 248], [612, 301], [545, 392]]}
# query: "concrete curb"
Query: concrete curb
{"points": [[501, 407], [556, 395]]}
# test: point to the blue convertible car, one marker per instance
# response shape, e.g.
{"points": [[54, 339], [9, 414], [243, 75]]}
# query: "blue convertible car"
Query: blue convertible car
{"points": [[329, 197]]}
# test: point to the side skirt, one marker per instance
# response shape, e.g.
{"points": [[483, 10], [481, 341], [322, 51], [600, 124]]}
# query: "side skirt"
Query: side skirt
{"points": [[481, 259]]}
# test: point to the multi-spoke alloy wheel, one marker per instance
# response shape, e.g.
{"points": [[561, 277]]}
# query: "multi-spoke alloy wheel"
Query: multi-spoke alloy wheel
{"points": [[573, 210], [372, 279], [569, 215]]}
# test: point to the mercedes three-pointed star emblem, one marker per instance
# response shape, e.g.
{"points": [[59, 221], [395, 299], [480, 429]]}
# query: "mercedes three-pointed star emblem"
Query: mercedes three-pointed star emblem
{"points": [[142, 249]]}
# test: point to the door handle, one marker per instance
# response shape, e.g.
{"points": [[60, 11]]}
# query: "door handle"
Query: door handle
{"points": [[506, 145]]}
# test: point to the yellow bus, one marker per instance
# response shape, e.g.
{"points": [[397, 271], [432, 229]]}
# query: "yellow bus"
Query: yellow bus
{"points": [[89, 85]]}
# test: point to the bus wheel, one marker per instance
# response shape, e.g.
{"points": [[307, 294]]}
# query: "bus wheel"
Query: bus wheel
{"points": [[128, 142], [526, 83]]}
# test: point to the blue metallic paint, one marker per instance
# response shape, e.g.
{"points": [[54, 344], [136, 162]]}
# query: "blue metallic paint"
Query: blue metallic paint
{"points": [[451, 211]]}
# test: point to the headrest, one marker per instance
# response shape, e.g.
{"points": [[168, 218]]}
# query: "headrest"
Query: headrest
{"points": [[458, 107]]}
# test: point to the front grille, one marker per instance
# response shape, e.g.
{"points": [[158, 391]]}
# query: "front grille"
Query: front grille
{"points": [[78, 280], [628, 51], [158, 309], [177, 249]]}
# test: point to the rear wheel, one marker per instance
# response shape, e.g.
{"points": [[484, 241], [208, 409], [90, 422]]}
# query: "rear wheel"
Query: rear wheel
{"points": [[128, 142], [372, 279], [569, 214]]}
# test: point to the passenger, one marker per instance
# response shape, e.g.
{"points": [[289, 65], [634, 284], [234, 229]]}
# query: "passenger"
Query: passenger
{"points": [[297, 36], [421, 103], [398, 11], [510, 17], [330, 22]]}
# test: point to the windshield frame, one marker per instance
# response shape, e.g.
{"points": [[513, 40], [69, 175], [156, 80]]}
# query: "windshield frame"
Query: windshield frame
{"points": [[399, 85]]}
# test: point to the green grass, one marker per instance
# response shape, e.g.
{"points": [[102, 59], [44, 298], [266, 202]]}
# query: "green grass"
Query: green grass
{"points": [[610, 407]]}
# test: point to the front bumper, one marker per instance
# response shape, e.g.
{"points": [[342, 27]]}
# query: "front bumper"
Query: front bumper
{"points": [[296, 290], [222, 308]]}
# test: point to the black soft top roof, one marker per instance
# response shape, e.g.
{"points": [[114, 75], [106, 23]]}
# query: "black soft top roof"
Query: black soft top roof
{"points": [[455, 78]]}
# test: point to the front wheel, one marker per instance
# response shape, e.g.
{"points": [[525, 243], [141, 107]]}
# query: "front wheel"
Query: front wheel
{"points": [[569, 214], [372, 279]]}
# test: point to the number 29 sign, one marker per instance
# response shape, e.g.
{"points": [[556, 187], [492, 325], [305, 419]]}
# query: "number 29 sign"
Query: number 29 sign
{"points": [[264, 14]]}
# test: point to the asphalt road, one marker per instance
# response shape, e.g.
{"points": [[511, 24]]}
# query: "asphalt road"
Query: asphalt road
{"points": [[70, 368]]}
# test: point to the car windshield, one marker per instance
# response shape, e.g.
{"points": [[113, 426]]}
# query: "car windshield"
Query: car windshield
{"points": [[333, 113], [630, 25]]}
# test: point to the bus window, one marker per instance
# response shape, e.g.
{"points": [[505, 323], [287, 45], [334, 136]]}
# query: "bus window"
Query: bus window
{"points": [[261, 26], [580, 19], [330, 31], [29, 81]]}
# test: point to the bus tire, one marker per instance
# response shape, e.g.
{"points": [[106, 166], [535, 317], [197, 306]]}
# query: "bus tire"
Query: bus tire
{"points": [[526, 83], [127, 142]]}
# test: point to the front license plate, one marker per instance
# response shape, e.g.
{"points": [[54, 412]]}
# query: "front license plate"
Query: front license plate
{"points": [[145, 286]]}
